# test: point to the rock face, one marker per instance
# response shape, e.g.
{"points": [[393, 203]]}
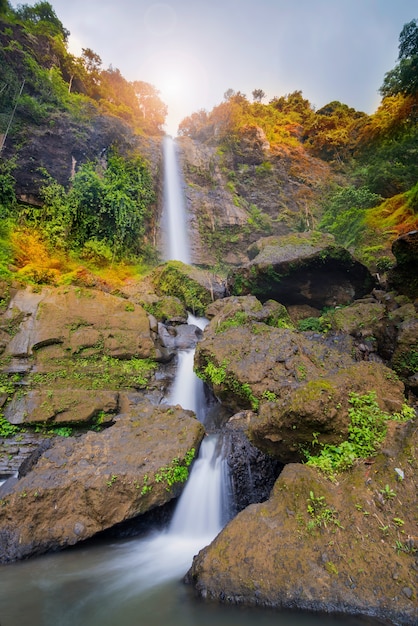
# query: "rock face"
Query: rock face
{"points": [[301, 269], [73, 351], [403, 277], [346, 546], [244, 192], [82, 485]]}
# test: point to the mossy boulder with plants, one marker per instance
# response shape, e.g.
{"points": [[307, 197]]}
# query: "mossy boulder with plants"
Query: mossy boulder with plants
{"points": [[240, 310], [70, 355], [194, 287], [295, 383], [314, 544], [301, 269], [98, 480], [317, 413]]}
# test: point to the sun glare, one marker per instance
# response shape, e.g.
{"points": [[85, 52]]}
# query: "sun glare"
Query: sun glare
{"points": [[172, 86]]}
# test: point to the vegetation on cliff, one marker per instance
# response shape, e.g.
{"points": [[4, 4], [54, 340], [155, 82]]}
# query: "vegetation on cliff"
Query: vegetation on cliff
{"points": [[52, 218], [373, 198]]}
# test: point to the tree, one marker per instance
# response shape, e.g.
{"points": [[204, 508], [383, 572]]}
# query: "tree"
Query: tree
{"points": [[4, 7], [152, 107], [258, 95], [42, 15], [403, 78]]}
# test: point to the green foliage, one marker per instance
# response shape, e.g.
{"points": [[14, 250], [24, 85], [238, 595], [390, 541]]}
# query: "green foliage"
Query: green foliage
{"points": [[404, 77], [311, 324], [98, 372], [367, 429], [104, 214], [412, 198], [177, 471], [344, 212], [214, 373], [97, 252], [6, 428], [321, 514]]}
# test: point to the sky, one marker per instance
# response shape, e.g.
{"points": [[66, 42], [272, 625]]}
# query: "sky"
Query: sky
{"points": [[193, 51]]}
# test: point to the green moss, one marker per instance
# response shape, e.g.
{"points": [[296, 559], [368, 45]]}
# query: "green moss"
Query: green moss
{"points": [[406, 363], [239, 319], [219, 376], [172, 279]]}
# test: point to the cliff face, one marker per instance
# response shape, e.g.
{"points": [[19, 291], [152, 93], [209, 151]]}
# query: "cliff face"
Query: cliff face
{"points": [[237, 196], [49, 123]]}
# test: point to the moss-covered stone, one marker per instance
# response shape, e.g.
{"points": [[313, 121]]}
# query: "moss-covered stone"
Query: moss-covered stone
{"points": [[301, 268], [195, 288], [314, 544]]}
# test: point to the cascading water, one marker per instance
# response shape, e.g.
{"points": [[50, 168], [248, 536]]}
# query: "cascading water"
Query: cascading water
{"points": [[176, 244]]}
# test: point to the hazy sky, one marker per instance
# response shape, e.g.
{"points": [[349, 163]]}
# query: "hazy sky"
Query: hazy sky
{"points": [[194, 50]]}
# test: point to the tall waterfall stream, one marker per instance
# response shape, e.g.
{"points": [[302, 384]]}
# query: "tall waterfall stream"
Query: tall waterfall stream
{"points": [[138, 581]]}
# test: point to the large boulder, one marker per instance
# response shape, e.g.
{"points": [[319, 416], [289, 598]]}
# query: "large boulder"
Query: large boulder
{"points": [[296, 384], [80, 321], [70, 352], [347, 546], [404, 276], [301, 269], [83, 485]]}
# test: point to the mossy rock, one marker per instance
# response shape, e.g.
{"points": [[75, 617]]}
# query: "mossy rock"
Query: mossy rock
{"points": [[166, 308], [301, 269], [193, 287]]}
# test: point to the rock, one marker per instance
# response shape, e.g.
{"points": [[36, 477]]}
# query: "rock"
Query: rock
{"points": [[315, 543], [301, 269], [239, 310], [404, 276], [319, 409], [80, 320], [62, 406], [296, 384], [70, 353], [83, 485], [252, 472], [253, 147], [194, 287], [182, 337]]}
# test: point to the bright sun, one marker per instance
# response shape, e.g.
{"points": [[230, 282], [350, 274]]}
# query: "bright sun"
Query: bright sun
{"points": [[172, 85]]}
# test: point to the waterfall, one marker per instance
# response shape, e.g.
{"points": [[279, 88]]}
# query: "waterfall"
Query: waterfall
{"points": [[174, 215], [202, 508]]}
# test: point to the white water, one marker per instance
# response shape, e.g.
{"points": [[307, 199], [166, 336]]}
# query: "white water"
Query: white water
{"points": [[174, 215]]}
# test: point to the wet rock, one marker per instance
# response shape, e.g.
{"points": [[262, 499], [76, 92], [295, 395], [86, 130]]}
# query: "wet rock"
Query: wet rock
{"points": [[83, 485], [313, 545], [252, 472], [403, 277], [301, 269]]}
